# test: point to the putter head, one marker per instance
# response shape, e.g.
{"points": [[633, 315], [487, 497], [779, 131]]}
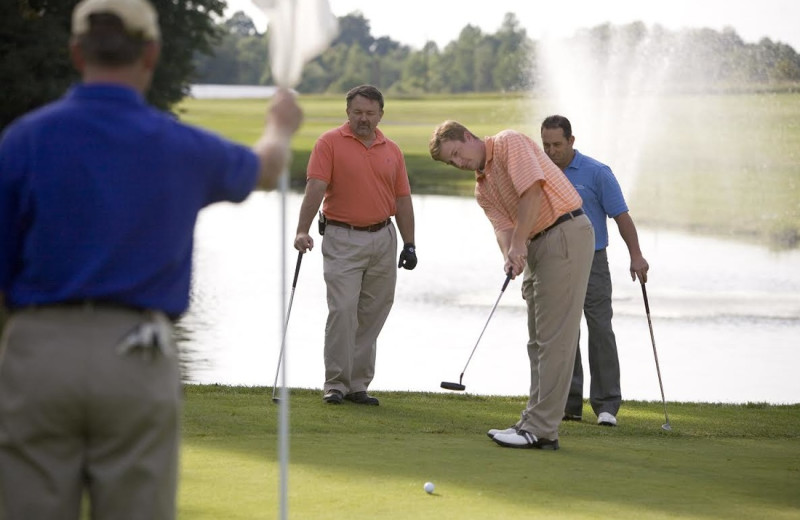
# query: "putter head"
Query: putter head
{"points": [[276, 400], [453, 386]]}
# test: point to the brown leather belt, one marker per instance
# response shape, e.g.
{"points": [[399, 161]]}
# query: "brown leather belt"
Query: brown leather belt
{"points": [[560, 220], [373, 228]]}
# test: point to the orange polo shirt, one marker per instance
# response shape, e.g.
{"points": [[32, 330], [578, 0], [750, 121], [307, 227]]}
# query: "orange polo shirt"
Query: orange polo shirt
{"points": [[514, 162], [363, 183]]}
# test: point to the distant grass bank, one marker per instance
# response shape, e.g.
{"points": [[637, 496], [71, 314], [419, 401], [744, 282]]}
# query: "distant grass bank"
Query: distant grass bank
{"points": [[727, 165], [348, 461]]}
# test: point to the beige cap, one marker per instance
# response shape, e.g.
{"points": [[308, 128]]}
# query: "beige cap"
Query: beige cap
{"points": [[138, 16]]}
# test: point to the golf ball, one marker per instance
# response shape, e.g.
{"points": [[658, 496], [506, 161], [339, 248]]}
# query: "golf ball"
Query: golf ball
{"points": [[428, 487]]}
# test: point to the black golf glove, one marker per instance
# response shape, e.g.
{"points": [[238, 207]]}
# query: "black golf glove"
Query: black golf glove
{"points": [[408, 257]]}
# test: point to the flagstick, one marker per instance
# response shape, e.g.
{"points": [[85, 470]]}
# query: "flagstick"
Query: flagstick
{"points": [[283, 420], [283, 423], [301, 49]]}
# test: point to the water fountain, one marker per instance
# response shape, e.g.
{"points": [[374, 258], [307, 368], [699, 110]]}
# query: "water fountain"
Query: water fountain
{"points": [[682, 125]]}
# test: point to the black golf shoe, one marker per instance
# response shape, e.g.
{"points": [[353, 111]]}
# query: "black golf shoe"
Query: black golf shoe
{"points": [[333, 396], [362, 398]]}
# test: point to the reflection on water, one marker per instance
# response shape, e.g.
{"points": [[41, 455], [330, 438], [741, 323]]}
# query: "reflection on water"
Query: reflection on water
{"points": [[726, 315]]}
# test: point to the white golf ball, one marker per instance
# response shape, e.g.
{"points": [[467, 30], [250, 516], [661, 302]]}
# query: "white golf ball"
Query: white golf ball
{"points": [[428, 487]]}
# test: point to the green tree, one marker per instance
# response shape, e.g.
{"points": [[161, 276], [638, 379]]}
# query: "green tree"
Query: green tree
{"points": [[221, 67], [34, 59], [458, 60], [485, 57], [514, 56], [355, 69], [354, 30], [387, 58], [253, 61], [240, 24]]}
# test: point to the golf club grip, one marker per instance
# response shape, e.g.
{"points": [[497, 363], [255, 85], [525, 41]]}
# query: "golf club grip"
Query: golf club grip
{"points": [[297, 268], [508, 279], [644, 296]]}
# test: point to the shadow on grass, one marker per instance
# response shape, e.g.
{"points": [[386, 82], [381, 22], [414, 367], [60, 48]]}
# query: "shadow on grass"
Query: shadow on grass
{"points": [[720, 461]]}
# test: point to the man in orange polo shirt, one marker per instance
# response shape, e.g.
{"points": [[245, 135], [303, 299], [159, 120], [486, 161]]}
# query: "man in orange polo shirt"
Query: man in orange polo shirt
{"points": [[537, 217], [361, 175]]}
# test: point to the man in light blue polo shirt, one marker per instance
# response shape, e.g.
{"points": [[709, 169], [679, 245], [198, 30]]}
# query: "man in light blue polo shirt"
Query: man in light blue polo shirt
{"points": [[602, 199]]}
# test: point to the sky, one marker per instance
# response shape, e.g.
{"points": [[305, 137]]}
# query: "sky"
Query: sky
{"points": [[413, 22]]}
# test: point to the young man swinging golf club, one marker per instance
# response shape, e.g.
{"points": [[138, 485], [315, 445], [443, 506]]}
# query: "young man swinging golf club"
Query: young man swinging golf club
{"points": [[537, 217]]}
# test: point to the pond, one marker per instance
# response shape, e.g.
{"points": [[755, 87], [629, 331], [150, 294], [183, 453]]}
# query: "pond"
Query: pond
{"points": [[725, 314]]}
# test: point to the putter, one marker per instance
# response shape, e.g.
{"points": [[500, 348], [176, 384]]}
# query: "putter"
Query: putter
{"points": [[286, 326], [666, 426], [459, 386]]}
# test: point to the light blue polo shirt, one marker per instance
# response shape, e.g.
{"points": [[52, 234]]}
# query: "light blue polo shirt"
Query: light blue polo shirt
{"points": [[99, 195], [600, 191]]}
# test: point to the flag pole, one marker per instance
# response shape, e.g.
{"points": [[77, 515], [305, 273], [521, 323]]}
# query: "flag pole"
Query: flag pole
{"points": [[283, 430], [290, 49]]}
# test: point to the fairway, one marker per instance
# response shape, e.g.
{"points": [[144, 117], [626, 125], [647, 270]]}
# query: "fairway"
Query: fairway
{"points": [[727, 165], [720, 461]]}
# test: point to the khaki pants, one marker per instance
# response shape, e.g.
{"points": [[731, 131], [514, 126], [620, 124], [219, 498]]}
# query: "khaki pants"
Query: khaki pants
{"points": [[554, 288], [76, 415], [360, 274]]}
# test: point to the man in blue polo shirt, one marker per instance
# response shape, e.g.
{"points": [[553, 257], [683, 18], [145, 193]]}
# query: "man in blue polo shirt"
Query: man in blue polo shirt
{"points": [[99, 194], [602, 199]]}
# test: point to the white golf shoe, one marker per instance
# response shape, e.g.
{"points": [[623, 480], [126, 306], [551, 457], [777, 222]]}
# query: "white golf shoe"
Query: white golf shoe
{"points": [[606, 419], [494, 431], [523, 439]]}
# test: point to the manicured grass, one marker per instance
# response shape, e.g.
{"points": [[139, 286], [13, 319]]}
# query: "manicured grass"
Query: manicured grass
{"points": [[722, 164], [349, 461]]}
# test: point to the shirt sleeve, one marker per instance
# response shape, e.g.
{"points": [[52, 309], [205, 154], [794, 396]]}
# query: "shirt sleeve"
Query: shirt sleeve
{"points": [[320, 163], [611, 198], [402, 187], [522, 164], [229, 170]]}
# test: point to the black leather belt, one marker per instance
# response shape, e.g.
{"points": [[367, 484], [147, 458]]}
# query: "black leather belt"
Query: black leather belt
{"points": [[560, 220], [373, 228]]}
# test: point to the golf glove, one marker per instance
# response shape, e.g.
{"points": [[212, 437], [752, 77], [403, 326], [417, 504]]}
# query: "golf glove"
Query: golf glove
{"points": [[408, 257]]}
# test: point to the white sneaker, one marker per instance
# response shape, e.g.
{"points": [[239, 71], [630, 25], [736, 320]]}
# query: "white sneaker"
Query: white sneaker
{"points": [[606, 419], [494, 431]]}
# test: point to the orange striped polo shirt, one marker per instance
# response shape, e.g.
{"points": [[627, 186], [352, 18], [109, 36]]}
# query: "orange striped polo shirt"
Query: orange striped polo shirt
{"points": [[363, 183], [514, 162]]}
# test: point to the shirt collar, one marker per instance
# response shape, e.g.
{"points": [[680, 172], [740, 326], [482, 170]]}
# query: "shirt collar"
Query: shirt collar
{"points": [[489, 144], [108, 91], [576, 161], [348, 132]]}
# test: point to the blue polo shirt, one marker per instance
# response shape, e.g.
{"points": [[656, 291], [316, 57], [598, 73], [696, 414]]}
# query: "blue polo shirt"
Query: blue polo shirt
{"points": [[99, 195], [600, 191]]}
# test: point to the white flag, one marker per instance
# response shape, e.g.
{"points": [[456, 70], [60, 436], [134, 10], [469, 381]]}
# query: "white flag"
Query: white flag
{"points": [[299, 30]]}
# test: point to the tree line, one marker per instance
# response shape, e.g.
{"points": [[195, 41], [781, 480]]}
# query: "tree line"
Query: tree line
{"points": [[506, 60], [200, 46]]}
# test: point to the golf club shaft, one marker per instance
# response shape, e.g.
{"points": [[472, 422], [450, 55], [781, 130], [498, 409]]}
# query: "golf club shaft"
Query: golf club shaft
{"points": [[655, 354], [505, 284], [286, 323]]}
